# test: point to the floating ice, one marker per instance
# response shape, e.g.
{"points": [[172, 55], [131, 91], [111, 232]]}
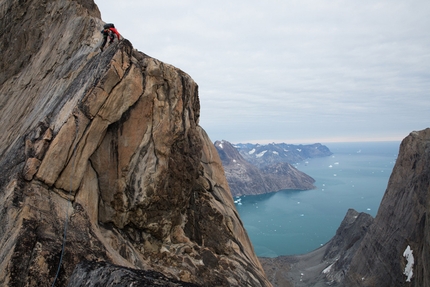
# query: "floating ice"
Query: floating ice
{"points": [[330, 166], [368, 209]]}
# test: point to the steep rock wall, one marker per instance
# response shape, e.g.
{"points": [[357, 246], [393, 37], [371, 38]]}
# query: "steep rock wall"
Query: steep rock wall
{"points": [[402, 221], [103, 152], [390, 250]]}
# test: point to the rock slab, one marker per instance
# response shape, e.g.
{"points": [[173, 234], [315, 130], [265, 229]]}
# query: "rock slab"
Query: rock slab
{"points": [[102, 159]]}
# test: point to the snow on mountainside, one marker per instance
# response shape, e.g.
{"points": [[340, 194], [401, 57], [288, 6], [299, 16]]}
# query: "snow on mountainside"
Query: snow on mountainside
{"points": [[263, 155], [245, 178]]}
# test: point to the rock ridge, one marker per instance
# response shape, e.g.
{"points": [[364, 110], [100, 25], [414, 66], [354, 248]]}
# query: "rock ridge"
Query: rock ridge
{"points": [[269, 154], [106, 147], [244, 178]]}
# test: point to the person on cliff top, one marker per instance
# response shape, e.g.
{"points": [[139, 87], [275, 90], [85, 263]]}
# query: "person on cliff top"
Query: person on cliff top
{"points": [[109, 31]]}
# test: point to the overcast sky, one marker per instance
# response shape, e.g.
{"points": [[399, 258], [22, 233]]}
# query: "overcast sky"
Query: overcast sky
{"points": [[294, 71]]}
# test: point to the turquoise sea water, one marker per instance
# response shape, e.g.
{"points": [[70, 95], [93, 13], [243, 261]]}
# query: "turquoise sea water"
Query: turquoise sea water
{"points": [[296, 222]]}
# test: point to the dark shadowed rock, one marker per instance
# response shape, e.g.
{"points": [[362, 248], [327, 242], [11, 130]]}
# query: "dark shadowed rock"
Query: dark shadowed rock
{"points": [[245, 179], [93, 274], [402, 220]]}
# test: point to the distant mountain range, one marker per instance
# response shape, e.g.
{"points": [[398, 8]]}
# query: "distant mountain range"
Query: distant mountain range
{"points": [[265, 155], [259, 169]]}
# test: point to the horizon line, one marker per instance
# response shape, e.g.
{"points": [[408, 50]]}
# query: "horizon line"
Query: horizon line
{"points": [[323, 141]]}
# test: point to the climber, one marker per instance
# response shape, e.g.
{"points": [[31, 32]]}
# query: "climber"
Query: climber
{"points": [[110, 31]]}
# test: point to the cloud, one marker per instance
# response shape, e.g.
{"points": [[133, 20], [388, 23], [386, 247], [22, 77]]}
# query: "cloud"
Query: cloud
{"points": [[293, 70]]}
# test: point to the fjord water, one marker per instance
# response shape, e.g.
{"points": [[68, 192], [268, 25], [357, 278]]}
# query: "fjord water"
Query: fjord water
{"points": [[296, 222]]}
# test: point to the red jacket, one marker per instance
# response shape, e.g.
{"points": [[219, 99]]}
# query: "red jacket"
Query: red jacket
{"points": [[116, 33]]}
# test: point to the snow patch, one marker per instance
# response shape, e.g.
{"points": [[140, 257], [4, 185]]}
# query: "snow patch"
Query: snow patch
{"points": [[252, 151], [328, 269], [410, 258], [261, 153], [275, 152]]}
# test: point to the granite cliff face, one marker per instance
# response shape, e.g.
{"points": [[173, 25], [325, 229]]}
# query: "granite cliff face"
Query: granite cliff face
{"points": [[245, 179], [390, 250], [102, 159], [402, 221]]}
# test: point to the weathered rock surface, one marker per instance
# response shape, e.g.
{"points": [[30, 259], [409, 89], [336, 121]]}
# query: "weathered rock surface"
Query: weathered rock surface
{"points": [[246, 179], [92, 274], [402, 220], [102, 152], [375, 252], [270, 154]]}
